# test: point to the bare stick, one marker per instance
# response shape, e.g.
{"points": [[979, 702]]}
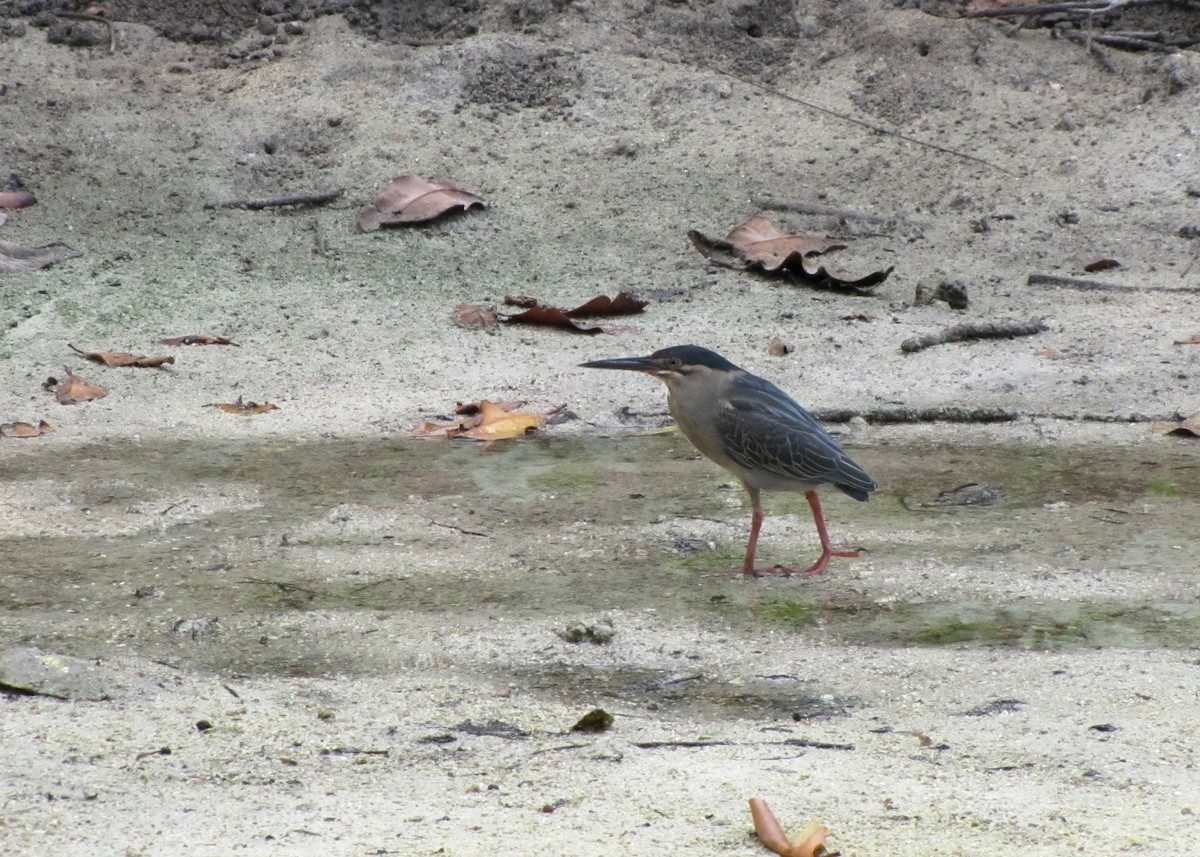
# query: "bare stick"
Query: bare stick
{"points": [[1084, 6], [278, 202], [80, 16], [963, 332], [1098, 285], [801, 206]]}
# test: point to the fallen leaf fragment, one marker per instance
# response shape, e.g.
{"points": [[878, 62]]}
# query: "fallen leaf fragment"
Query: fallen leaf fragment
{"points": [[118, 359], [487, 421], [73, 390], [475, 315], [16, 199], [19, 429], [758, 244], [411, 199], [1189, 426], [1048, 353], [197, 339], [1101, 265], [244, 409], [14, 257], [601, 305], [778, 348], [809, 842], [1191, 340]]}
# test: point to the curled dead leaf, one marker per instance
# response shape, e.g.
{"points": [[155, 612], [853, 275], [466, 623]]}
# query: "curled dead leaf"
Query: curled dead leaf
{"points": [[758, 244], [475, 315], [242, 408], [601, 305], [1189, 426], [809, 842], [19, 429], [73, 390], [118, 359], [14, 257], [410, 199], [197, 339], [1101, 265]]}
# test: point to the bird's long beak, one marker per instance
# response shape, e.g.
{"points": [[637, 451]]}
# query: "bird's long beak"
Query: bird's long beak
{"points": [[632, 364]]}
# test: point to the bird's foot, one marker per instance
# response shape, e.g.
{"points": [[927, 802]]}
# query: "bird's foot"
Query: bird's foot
{"points": [[817, 567]]}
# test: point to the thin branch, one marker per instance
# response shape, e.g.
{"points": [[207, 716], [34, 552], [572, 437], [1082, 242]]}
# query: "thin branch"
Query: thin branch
{"points": [[1099, 285], [974, 330], [80, 16], [277, 202]]}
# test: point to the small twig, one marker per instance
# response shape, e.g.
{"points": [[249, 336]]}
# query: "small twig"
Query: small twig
{"points": [[1091, 44], [353, 751], [460, 529], [803, 207], [656, 745], [1099, 285], [80, 16], [278, 202], [980, 330], [1089, 6]]}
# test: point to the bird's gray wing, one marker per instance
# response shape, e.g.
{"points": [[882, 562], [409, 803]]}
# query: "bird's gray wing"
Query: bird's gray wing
{"points": [[765, 429]]}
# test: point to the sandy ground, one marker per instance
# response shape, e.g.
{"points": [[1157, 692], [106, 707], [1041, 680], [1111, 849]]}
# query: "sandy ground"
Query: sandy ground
{"points": [[599, 134]]}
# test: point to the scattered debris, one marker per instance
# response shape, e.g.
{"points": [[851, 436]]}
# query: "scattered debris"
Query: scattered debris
{"points": [[965, 332], [197, 339], [758, 244], [952, 292], [73, 390], [1101, 265], [410, 199], [117, 359], [492, 729], [971, 494]]}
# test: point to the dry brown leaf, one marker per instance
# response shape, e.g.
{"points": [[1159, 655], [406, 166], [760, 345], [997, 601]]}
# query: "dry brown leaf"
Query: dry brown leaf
{"points": [[1191, 340], [25, 429], [778, 348], [760, 245], [601, 305], [16, 199], [73, 390], [1101, 265], [14, 257], [197, 339], [411, 199], [1189, 426], [118, 359], [809, 842], [244, 409], [475, 315], [761, 242], [523, 301]]}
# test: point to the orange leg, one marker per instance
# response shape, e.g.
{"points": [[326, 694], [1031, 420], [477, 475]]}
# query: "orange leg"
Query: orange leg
{"points": [[756, 520]]}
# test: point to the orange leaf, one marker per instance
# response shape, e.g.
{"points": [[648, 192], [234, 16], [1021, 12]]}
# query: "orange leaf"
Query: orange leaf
{"points": [[495, 423], [25, 429], [115, 359], [244, 409], [809, 842]]}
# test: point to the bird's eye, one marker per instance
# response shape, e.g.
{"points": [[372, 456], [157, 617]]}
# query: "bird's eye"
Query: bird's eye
{"points": [[674, 363]]}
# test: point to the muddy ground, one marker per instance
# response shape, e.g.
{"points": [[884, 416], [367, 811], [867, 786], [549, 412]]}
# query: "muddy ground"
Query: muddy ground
{"points": [[303, 632]]}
